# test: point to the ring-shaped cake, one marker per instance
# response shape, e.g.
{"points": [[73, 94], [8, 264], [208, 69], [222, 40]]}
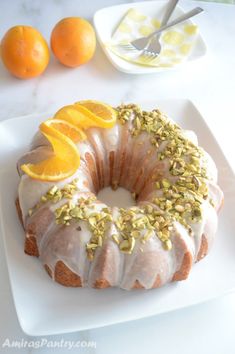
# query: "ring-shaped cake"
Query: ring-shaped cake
{"points": [[83, 242]]}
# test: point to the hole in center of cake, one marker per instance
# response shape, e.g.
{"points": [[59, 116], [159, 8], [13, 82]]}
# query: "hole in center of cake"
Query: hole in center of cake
{"points": [[120, 197]]}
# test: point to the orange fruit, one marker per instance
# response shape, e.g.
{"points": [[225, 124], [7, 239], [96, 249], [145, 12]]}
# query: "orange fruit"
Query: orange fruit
{"points": [[73, 41], [63, 164], [73, 116], [100, 113], [68, 129], [86, 114], [24, 52], [63, 131]]}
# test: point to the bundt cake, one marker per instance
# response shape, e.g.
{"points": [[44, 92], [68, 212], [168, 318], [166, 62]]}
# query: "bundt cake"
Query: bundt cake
{"points": [[83, 242]]}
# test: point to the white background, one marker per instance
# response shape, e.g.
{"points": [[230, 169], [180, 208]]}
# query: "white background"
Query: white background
{"points": [[210, 83]]}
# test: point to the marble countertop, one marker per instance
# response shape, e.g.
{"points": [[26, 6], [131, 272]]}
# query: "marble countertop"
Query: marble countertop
{"points": [[209, 83]]}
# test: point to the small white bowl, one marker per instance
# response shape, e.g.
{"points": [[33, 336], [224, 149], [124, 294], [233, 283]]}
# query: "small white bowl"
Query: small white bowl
{"points": [[107, 19]]}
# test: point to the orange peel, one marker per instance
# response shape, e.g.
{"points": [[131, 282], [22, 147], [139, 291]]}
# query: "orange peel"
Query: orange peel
{"points": [[73, 116], [63, 132], [70, 130], [63, 164], [103, 115]]}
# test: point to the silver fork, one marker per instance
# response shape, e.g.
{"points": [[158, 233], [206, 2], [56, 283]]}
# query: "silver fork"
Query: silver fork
{"points": [[154, 47], [141, 43]]}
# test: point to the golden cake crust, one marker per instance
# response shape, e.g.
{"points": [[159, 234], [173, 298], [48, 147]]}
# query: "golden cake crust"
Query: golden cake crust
{"points": [[203, 248], [66, 277], [30, 244], [157, 283], [101, 284], [184, 270]]}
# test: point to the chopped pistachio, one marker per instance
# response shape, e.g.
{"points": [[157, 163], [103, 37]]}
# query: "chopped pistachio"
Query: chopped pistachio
{"points": [[125, 246], [179, 208], [54, 194], [179, 197], [168, 245], [115, 238], [135, 233], [91, 245], [165, 183], [158, 185]]}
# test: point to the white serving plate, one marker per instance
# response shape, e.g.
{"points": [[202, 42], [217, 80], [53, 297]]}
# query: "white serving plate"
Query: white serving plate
{"points": [[45, 308], [107, 19]]}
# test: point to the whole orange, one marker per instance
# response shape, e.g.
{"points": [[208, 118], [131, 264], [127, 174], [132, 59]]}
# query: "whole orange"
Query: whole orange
{"points": [[73, 41], [24, 52]]}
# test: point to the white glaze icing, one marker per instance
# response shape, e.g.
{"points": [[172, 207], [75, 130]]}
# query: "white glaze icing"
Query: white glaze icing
{"points": [[148, 260]]}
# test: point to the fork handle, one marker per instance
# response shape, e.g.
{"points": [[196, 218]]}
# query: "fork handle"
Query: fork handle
{"points": [[169, 11], [180, 19]]}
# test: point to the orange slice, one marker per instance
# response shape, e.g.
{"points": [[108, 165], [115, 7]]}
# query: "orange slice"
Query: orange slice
{"points": [[63, 164], [73, 116], [68, 129], [103, 115], [63, 131]]}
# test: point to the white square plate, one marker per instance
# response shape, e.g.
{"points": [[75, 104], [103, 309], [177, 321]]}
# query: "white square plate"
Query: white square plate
{"points": [[106, 21], [44, 307]]}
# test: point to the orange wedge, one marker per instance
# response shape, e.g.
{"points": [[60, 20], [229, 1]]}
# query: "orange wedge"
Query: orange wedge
{"points": [[100, 113], [68, 129], [63, 164], [73, 116]]}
